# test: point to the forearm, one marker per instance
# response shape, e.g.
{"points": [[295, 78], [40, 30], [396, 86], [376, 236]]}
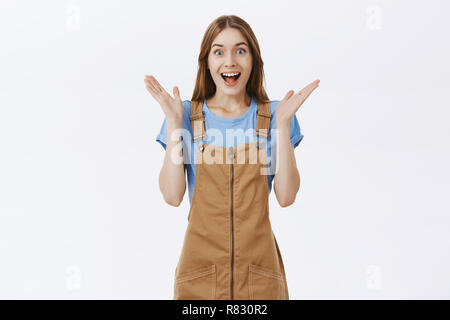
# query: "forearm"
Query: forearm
{"points": [[172, 182], [287, 177]]}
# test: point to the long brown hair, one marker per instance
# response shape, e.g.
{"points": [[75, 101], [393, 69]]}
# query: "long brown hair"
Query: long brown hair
{"points": [[204, 85]]}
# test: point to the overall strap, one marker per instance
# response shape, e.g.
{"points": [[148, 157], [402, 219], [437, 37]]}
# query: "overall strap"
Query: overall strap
{"points": [[263, 119], [198, 120]]}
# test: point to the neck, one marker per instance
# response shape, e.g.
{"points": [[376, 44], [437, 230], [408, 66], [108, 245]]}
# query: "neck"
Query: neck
{"points": [[231, 103]]}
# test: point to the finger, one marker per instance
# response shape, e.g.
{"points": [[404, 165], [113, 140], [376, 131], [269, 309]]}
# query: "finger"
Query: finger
{"points": [[158, 85], [176, 93], [151, 85], [312, 86], [288, 94], [309, 87], [155, 95], [306, 91]]}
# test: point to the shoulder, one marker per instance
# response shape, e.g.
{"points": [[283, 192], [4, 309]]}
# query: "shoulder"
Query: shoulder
{"points": [[273, 105], [187, 107], [187, 114], [187, 110]]}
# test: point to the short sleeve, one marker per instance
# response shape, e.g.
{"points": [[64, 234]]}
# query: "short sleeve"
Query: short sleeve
{"points": [[296, 135], [161, 137]]}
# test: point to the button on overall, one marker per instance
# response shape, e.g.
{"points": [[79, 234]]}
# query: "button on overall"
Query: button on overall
{"points": [[229, 250]]}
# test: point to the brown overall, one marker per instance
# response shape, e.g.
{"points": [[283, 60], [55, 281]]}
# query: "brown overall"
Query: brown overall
{"points": [[229, 250]]}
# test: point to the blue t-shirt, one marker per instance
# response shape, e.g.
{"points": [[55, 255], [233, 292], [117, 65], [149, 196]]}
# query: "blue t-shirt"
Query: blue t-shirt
{"points": [[217, 135]]}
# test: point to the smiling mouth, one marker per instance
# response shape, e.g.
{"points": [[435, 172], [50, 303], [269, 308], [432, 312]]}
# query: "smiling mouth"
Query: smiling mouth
{"points": [[230, 81]]}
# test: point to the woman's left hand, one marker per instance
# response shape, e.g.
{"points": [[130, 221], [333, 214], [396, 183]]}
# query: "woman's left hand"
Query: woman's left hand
{"points": [[292, 102]]}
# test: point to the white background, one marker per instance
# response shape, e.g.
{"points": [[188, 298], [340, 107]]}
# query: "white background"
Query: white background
{"points": [[81, 214]]}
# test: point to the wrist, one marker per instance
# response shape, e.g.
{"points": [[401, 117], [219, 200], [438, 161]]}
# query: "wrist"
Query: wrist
{"points": [[281, 120], [175, 121], [282, 123]]}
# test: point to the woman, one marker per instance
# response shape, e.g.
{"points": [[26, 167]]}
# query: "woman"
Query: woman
{"points": [[229, 249]]}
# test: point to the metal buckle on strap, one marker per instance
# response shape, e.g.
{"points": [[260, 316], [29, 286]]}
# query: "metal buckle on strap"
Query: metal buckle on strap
{"points": [[263, 114], [197, 115]]}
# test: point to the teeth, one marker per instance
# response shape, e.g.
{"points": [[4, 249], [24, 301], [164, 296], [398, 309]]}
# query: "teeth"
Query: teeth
{"points": [[230, 74]]}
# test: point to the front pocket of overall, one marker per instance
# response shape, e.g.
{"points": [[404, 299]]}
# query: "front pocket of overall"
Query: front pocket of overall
{"points": [[196, 284], [264, 283]]}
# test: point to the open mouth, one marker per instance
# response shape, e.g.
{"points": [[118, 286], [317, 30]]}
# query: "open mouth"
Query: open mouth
{"points": [[230, 78]]}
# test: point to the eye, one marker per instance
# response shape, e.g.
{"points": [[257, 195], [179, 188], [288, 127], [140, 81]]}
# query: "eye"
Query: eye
{"points": [[215, 52]]}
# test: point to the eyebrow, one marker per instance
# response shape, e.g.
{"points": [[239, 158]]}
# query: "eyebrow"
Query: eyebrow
{"points": [[237, 44]]}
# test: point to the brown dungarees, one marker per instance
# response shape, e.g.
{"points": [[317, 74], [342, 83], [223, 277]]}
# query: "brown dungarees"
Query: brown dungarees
{"points": [[229, 250]]}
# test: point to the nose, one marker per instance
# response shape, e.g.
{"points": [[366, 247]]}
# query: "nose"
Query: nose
{"points": [[229, 61]]}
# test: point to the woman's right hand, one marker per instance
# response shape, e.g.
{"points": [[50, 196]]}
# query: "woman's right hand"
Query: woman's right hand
{"points": [[172, 107]]}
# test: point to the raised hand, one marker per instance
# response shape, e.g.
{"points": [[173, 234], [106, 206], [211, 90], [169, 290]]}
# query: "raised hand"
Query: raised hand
{"points": [[172, 107], [292, 102]]}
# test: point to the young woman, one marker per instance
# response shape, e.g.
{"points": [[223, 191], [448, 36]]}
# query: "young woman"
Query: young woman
{"points": [[229, 249]]}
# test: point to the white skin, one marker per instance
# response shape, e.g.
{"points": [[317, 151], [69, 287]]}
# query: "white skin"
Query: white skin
{"points": [[229, 102], [230, 53]]}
